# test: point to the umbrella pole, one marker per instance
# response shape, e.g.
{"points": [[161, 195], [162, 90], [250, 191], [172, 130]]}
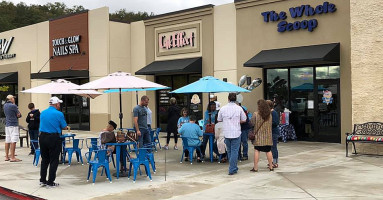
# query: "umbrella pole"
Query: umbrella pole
{"points": [[137, 97], [120, 115]]}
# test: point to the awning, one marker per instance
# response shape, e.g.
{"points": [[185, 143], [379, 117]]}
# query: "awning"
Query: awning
{"points": [[64, 74], [180, 66], [11, 77], [324, 54]]}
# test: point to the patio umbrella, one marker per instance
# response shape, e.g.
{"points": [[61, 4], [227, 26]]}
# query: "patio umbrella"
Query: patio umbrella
{"points": [[62, 86], [135, 90], [119, 80], [209, 84]]}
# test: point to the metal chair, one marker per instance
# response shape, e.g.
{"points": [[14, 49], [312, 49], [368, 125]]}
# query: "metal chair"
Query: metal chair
{"points": [[75, 149], [100, 160], [154, 135], [37, 154], [142, 159], [92, 146], [189, 148]]}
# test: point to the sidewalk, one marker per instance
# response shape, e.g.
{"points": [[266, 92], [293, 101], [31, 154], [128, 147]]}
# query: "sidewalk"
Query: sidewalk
{"points": [[307, 170]]}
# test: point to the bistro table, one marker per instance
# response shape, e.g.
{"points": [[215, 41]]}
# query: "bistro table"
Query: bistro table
{"points": [[118, 152], [211, 143], [287, 131], [63, 138]]}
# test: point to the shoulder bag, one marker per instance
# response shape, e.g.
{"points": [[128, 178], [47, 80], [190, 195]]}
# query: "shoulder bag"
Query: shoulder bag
{"points": [[209, 127], [252, 134]]}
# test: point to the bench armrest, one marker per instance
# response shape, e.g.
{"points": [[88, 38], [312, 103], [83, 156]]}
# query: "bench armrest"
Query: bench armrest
{"points": [[347, 134]]}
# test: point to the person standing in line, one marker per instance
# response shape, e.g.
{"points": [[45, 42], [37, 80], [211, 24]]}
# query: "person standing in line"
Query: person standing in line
{"points": [[12, 115], [52, 122], [33, 120], [232, 116], [275, 133], [262, 121], [141, 121], [215, 99], [209, 117], [149, 117], [173, 116], [184, 118], [245, 127]]}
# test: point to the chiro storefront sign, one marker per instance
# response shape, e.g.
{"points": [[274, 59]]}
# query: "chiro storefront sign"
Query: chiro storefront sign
{"points": [[66, 45], [177, 40], [298, 12], [5, 45]]}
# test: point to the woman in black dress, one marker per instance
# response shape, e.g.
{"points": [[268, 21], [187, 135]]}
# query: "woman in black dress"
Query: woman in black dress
{"points": [[173, 116]]}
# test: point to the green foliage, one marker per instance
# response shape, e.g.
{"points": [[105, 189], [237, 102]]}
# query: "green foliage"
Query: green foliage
{"points": [[125, 16], [18, 15]]}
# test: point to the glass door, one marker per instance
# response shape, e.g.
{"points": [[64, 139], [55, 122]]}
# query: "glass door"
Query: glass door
{"points": [[327, 112]]}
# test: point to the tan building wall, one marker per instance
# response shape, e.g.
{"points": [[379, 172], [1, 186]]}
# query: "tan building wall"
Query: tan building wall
{"points": [[254, 35], [367, 64], [99, 50], [225, 46], [32, 51], [204, 17]]}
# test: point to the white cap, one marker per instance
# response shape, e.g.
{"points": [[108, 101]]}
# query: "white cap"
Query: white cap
{"points": [[55, 100], [9, 96]]}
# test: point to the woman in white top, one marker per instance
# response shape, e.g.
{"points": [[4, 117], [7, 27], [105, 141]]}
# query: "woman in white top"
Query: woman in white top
{"points": [[219, 144]]}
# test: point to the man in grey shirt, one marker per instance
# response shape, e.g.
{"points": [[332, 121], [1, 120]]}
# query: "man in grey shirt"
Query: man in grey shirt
{"points": [[12, 114], [140, 122]]}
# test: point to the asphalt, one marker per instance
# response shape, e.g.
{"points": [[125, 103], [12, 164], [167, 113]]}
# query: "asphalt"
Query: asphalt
{"points": [[307, 170]]}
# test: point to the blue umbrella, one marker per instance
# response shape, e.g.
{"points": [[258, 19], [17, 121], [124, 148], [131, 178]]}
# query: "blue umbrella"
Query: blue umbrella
{"points": [[209, 84], [135, 90]]}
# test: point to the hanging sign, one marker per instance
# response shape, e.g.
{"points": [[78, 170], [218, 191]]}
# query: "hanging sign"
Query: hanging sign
{"points": [[327, 97], [195, 99], [297, 12], [4, 48]]}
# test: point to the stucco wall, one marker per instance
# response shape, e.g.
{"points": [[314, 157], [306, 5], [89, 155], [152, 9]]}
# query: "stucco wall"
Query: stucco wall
{"points": [[367, 65]]}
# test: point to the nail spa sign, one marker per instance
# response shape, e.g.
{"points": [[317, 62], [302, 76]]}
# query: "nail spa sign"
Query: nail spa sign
{"points": [[66, 45], [298, 12]]}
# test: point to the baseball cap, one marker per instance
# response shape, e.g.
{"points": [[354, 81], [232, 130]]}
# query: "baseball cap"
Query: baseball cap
{"points": [[9, 96], [55, 100]]}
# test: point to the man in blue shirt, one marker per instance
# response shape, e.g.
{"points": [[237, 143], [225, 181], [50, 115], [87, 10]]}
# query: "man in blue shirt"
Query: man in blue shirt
{"points": [[12, 115], [52, 122]]}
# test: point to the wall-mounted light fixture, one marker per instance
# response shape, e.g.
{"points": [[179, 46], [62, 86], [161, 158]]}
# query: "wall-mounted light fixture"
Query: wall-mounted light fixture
{"points": [[224, 79]]}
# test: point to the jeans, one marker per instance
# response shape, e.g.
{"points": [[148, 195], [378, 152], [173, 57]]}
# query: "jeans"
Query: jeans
{"points": [[175, 137], [144, 139], [232, 145], [244, 143], [34, 135], [50, 148], [274, 148], [205, 140]]}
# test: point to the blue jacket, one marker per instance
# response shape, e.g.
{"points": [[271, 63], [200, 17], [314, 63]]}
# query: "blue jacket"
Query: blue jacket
{"points": [[191, 130], [275, 122], [182, 120]]}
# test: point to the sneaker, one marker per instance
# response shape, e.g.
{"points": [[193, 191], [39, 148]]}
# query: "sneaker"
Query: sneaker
{"points": [[166, 147], [245, 158], [175, 148], [43, 184], [52, 185]]}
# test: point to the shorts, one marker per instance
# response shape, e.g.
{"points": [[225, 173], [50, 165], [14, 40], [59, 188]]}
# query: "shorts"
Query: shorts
{"points": [[11, 134], [263, 148]]}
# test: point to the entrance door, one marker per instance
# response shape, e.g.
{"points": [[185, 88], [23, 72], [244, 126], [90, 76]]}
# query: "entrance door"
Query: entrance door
{"points": [[327, 111]]}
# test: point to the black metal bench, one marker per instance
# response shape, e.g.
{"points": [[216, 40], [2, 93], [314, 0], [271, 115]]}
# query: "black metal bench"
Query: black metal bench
{"points": [[369, 132]]}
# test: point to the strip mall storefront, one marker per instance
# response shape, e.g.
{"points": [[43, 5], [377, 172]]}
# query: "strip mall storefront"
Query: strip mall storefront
{"points": [[302, 51]]}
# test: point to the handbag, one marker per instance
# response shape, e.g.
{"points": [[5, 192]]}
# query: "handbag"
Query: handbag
{"points": [[132, 136], [108, 137], [252, 134], [210, 127]]}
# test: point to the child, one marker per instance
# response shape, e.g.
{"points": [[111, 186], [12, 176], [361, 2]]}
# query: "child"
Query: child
{"points": [[184, 118]]}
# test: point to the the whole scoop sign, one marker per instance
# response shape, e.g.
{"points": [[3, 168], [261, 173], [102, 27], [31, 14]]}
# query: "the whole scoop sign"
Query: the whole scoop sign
{"points": [[297, 12]]}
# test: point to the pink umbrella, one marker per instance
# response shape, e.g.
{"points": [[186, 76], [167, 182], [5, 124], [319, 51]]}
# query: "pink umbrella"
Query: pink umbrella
{"points": [[62, 86], [119, 80]]}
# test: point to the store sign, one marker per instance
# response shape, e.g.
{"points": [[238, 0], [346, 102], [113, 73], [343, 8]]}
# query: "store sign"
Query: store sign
{"points": [[5, 45], [177, 40], [297, 12], [66, 45]]}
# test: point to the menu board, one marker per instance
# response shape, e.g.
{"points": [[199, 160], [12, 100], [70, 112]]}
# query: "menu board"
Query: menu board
{"points": [[164, 97]]}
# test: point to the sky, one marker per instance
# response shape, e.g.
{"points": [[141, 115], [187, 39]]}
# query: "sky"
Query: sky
{"points": [[155, 6]]}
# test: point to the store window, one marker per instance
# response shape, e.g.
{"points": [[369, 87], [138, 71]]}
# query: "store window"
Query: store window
{"points": [[328, 72], [277, 87]]}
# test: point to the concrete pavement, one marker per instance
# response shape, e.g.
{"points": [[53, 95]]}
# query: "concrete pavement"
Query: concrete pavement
{"points": [[308, 170]]}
